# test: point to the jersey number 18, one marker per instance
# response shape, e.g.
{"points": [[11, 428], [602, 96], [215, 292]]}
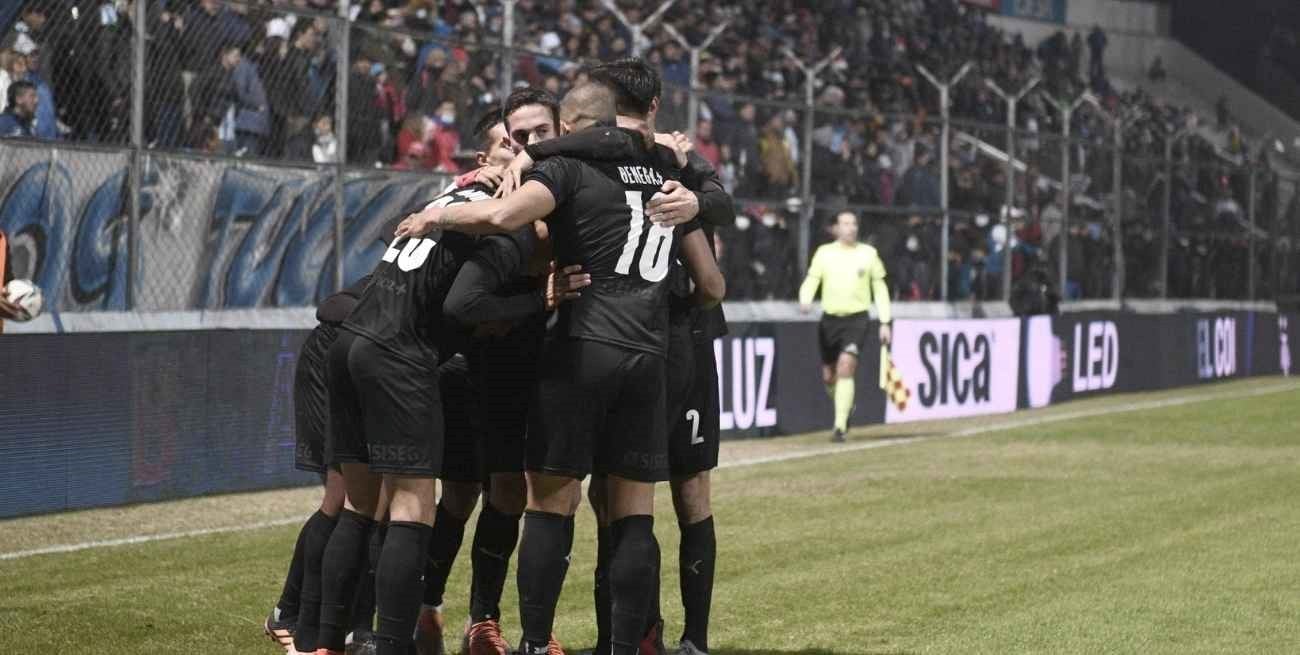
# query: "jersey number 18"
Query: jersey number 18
{"points": [[653, 265]]}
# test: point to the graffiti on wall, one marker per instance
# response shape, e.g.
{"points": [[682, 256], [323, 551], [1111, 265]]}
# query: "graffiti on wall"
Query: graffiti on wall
{"points": [[212, 234]]}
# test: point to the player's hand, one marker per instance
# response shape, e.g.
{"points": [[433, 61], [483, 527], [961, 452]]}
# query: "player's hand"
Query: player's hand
{"points": [[514, 174], [419, 223], [805, 307], [491, 176], [670, 141], [9, 311], [886, 334], [563, 285], [684, 143], [674, 205]]}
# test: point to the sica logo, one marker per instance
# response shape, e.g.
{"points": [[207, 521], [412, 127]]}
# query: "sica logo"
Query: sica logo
{"points": [[957, 367]]}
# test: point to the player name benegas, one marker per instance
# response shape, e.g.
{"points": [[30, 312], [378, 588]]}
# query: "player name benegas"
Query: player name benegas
{"points": [[640, 175]]}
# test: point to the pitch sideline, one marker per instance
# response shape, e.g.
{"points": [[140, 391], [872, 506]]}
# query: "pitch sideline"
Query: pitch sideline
{"points": [[752, 461]]}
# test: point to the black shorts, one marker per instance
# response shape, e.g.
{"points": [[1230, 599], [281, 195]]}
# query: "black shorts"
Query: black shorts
{"points": [[385, 410], [505, 371], [842, 334], [692, 404], [311, 399], [601, 409], [460, 450]]}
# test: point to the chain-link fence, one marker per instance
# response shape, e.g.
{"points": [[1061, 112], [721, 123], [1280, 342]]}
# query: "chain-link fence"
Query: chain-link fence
{"points": [[180, 154]]}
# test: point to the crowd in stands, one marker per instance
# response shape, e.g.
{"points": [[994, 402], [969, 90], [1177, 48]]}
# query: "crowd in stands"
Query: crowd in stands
{"points": [[258, 79]]}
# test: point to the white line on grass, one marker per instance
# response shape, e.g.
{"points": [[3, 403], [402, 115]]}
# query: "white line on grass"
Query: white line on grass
{"points": [[752, 461]]}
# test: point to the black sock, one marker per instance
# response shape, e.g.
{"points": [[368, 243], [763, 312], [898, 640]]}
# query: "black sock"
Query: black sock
{"points": [[633, 572], [341, 567], [291, 593], [363, 603], [444, 544], [699, 552], [317, 531], [399, 585], [543, 563], [494, 543], [600, 591]]}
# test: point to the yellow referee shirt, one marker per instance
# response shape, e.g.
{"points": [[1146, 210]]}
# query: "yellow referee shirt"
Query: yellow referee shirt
{"points": [[850, 278]]}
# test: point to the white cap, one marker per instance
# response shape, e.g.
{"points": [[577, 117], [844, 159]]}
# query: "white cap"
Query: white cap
{"points": [[24, 45], [277, 27]]}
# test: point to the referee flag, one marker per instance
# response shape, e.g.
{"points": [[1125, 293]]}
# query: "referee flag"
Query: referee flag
{"points": [[891, 381]]}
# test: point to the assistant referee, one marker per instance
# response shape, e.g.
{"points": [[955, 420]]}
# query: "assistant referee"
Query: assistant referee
{"points": [[851, 276]]}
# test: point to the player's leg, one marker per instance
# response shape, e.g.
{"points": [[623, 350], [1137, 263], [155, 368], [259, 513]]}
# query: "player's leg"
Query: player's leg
{"points": [[343, 559], [301, 592], [461, 488], [361, 636], [495, 536], [544, 556], [693, 452], [697, 557], [634, 457], [560, 450], [399, 578], [596, 496], [346, 556], [846, 367]]}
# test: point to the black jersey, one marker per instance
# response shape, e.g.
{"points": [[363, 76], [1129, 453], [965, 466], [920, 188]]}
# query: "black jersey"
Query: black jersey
{"points": [[600, 222], [401, 308]]}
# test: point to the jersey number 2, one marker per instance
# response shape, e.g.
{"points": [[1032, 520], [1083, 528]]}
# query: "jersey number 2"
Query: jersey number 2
{"points": [[693, 415], [653, 266]]}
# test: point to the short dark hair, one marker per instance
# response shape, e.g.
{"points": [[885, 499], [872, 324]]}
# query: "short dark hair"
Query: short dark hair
{"points": [[16, 89], [485, 125], [634, 82], [531, 96]]}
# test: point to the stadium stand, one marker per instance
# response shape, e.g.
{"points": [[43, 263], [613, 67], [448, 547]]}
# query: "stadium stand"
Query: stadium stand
{"points": [[262, 82]]}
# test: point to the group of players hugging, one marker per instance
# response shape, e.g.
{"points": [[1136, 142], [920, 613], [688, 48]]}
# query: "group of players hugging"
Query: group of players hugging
{"points": [[549, 317]]}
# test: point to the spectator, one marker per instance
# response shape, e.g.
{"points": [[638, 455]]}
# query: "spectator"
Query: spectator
{"points": [[315, 142], [1157, 73], [165, 92], [705, 145], [779, 172], [365, 137], [210, 28], [31, 23], [19, 116], [47, 119], [13, 66], [443, 140], [285, 63], [249, 113], [1097, 46], [920, 184], [773, 258]]}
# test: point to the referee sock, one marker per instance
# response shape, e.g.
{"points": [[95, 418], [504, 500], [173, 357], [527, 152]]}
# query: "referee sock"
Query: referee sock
{"points": [[633, 574], [843, 403], [543, 563], [444, 544], [315, 536], [494, 543], [698, 553], [600, 590], [341, 566], [399, 585]]}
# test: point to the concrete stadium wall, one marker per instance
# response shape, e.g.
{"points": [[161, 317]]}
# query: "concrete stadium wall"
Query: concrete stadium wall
{"points": [[94, 419]]}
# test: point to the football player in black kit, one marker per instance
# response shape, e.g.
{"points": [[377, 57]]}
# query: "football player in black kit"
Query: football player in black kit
{"points": [[387, 422], [692, 374], [602, 389], [299, 604]]}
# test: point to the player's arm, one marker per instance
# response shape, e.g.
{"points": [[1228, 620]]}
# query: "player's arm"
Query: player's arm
{"points": [[473, 298], [710, 286], [532, 202], [808, 289], [716, 207]]}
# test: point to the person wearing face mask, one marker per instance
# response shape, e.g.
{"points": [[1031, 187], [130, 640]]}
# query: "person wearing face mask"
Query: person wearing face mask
{"points": [[316, 142], [851, 277]]}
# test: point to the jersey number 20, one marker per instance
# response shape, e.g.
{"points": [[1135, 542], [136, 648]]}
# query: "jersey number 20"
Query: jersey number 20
{"points": [[653, 266]]}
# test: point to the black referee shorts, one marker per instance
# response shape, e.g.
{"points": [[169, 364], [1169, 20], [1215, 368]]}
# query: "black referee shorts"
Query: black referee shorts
{"points": [[599, 409], [385, 411], [693, 412], [842, 334]]}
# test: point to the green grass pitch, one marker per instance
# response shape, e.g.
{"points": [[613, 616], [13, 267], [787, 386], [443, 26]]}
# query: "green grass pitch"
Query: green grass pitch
{"points": [[1170, 530]]}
